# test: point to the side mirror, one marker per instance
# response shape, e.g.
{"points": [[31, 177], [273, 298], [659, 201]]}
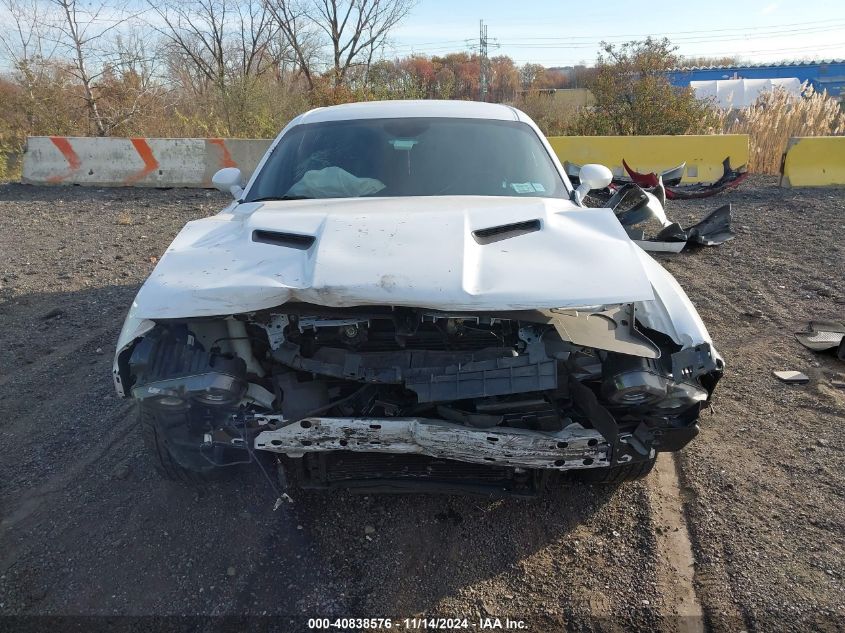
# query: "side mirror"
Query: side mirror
{"points": [[592, 177], [228, 180]]}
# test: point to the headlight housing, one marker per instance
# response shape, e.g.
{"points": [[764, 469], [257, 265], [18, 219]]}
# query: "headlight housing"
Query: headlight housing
{"points": [[210, 389], [632, 381], [172, 371], [644, 383]]}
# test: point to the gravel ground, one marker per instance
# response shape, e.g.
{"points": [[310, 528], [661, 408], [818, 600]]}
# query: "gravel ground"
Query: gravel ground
{"points": [[88, 528]]}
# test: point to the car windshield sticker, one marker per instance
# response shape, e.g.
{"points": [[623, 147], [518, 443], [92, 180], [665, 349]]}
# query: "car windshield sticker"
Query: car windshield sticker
{"points": [[522, 187]]}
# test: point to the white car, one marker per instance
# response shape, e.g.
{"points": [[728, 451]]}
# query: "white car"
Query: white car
{"points": [[411, 295]]}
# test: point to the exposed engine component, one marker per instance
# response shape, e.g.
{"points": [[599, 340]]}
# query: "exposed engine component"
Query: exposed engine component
{"points": [[422, 371]]}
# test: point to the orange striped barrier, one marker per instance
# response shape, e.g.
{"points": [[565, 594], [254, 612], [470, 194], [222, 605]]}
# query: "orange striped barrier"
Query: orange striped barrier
{"points": [[139, 162], [66, 149]]}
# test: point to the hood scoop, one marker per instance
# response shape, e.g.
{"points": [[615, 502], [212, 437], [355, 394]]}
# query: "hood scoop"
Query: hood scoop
{"points": [[279, 238], [399, 252], [505, 231]]}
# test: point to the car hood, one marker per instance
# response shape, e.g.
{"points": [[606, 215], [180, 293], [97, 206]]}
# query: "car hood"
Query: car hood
{"points": [[443, 253]]}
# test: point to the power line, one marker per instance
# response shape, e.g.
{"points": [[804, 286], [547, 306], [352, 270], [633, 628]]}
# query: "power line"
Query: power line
{"points": [[697, 36], [695, 40], [699, 31]]}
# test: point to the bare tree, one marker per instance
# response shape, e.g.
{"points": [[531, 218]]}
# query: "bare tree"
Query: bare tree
{"points": [[219, 38], [25, 40], [134, 79], [296, 28], [351, 30], [223, 44], [26, 43], [87, 33]]}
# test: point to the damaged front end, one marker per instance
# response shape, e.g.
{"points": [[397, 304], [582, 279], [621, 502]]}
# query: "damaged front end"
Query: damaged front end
{"points": [[386, 398]]}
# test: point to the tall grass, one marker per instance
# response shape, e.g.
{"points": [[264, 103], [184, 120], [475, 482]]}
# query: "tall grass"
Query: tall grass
{"points": [[776, 117]]}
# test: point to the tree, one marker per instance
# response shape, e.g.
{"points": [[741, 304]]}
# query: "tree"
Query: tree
{"points": [[351, 31], [28, 44], [529, 74], [633, 94], [219, 49], [504, 79], [87, 33], [26, 41], [459, 75], [218, 38]]}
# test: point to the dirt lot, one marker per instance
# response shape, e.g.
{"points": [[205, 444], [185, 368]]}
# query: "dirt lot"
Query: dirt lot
{"points": [[88, 528]]}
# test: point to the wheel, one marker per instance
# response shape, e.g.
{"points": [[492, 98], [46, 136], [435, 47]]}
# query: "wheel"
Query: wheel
{"points": [[615, 474], [174, 461]]}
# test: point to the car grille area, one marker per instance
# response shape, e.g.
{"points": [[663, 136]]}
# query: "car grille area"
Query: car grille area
{"points": [[385, 473]]}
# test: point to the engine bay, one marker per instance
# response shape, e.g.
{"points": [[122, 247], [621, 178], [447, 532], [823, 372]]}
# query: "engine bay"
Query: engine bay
{"points": [[230, 379]]}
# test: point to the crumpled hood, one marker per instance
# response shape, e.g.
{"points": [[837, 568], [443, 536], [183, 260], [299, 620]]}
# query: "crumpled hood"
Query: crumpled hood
{"points": [[419, 252]]}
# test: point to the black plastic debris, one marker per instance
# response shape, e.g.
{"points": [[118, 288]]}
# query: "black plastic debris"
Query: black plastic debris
{"points": [[633, 207], [672, 233], [714, 229]]}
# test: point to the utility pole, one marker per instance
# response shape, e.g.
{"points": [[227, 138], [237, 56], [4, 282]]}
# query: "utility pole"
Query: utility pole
{"points": [[483, 62]]}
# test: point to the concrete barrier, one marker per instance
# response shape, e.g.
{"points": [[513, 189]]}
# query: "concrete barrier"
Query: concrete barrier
{"points": [[703, 154], [139, 162], [814, 161], [191, 162]]}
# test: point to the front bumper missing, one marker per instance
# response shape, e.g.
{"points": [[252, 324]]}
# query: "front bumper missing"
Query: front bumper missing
{"points": [[571, 448]]}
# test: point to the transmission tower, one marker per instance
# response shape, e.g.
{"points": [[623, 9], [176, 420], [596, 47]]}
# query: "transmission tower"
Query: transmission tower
{"points": [[483, 60]]}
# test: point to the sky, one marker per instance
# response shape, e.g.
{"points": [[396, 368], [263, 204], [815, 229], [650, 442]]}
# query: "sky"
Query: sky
{"points": [[565, 33]]}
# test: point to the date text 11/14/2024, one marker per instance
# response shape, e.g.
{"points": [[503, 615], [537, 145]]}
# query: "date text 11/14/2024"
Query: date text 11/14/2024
{"points": [[417, 624]]}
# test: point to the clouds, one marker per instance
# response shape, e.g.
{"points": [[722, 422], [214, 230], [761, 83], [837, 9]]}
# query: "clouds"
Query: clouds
{"points": [[770, 8]]}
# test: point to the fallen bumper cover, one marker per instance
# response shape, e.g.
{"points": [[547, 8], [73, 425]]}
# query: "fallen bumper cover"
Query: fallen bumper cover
{"points": [[572, 448]]}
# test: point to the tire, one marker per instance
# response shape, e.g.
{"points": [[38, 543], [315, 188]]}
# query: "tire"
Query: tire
{"points": [[615, 474], [170, 464]]}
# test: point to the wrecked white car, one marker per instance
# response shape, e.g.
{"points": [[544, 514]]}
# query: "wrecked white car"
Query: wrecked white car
{"points": [[411, 295]]}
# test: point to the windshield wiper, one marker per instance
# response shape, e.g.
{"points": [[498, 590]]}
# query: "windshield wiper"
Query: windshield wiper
{"points": [[269, 198]]}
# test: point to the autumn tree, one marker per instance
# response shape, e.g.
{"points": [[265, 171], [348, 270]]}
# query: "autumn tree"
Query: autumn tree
{"points": [[504, 79], [530, 75], [633, 94]]}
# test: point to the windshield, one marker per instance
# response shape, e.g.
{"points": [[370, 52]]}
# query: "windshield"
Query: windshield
{"points": [[408, 157]]}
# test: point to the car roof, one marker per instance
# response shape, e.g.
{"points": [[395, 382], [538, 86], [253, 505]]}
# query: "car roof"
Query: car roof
{"points": [[413, 109]]}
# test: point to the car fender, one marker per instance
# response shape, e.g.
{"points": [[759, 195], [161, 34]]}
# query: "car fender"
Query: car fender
{"points": [[671, 310]]}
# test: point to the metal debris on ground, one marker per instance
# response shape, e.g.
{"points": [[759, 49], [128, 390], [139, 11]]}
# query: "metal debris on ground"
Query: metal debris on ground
{"points": [[822, 336], [285, 497], [792, 377]]}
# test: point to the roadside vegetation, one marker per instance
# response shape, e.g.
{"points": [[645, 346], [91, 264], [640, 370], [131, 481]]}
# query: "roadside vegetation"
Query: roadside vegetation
{"points": [[776, 117], [243, 68]]}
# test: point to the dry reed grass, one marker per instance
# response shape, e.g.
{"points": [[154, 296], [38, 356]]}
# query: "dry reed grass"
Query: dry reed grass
{"points": [[776, 117]]}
